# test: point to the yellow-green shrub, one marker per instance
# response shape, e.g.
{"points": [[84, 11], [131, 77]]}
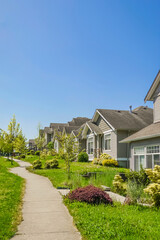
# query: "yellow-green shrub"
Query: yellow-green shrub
{"points": [[105, 156], [119, 185], [110, 163], [153, 189], [95, 161]]}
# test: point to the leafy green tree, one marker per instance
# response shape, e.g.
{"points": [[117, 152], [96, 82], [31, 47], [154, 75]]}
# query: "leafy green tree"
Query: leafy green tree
{"points": [[20, 143], [50, 146], [40, 140], [69, 149]]}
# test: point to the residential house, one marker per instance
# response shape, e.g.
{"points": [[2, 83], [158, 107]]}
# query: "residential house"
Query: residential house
{"points": [[65, 128], [144, 145], [32, 145], [108, 127]]}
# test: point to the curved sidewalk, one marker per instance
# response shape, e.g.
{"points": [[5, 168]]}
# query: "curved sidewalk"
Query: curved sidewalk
{"points": [[44, 215]]}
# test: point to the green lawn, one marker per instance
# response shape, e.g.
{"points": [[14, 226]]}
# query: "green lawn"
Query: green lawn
{"points": [[115, 222], [58, 177], [11, 187]]}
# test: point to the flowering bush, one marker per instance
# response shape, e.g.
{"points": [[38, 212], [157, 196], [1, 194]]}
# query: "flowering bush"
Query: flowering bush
{"points": [[90, 194], [43, 154], [105, 156], [153, 189], [52, 152], [95, 161], [110, 163], [119, 185]]}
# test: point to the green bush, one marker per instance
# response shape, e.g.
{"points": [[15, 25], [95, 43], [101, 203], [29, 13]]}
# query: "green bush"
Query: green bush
{"points": [[37, 153], [140, 177], [37, 164], [28, 153], [22, 156], [83, 157], [32, 152], [51, 164], [110, 163], [119, 185], [105, 156]]}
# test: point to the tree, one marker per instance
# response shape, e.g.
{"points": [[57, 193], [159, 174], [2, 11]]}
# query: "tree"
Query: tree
{"points": [[9, 139], [69, 149], [40, 140], [50, 145], [20, 143]]}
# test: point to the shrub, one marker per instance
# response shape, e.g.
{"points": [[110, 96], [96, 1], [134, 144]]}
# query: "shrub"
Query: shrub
{"points": [[22, 156], [140, 177], [119, 185], [51, 164], [134, 191], [153, 189], [28, 153], [37, 153], [83, 157], [90, 194], [37, 164], [110, 163], [32, 152], [105, 156], [52, 152], [43, 154], [95, 161]]}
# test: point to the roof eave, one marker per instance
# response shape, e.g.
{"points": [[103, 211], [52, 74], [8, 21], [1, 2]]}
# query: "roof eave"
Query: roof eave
{"points": [[152, 88], [140, 138]]}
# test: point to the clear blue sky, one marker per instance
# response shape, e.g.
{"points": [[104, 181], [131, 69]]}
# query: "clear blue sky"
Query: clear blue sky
{"points": [[61, 59]]}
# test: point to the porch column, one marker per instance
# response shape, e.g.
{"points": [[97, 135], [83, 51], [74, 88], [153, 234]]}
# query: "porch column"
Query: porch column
{"points": [[98, 146]]}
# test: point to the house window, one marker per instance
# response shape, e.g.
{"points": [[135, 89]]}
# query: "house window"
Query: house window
{"points": [[153, 149], [139, 150], [90, 145], [107, 142], [138, 162]]}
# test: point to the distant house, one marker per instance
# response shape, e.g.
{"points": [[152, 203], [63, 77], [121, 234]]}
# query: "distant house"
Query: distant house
{"points": [[108, 127], [65, 128], [144, 145], [32, 145]]}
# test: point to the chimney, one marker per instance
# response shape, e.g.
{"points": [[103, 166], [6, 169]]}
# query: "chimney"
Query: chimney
{"points": [[130, 108]]}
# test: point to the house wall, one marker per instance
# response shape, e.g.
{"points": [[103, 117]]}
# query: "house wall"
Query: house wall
{"points": [[82, 143], [153, 141], [102, 124], [113, 151], [156, 110]]}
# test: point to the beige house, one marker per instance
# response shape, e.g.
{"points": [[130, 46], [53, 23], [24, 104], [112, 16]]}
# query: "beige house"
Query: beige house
{"points": [[144, 145], [108, 127]]}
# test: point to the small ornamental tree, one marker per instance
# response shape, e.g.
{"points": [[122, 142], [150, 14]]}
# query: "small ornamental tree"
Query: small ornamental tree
{"points": [[69, 149], [40, 140], [91, 195]]}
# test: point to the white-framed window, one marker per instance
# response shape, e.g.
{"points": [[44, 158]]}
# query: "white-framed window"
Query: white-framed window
{"points": [[90, 145], [146, 156], [107, 142], [153, 149]]}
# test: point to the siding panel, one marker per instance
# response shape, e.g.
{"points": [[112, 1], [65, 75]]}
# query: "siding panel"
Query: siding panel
{"points": [[102, 124]]}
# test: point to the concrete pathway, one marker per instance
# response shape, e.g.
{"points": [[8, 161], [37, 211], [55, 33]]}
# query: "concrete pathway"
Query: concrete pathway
{"points": [[44, 215]]}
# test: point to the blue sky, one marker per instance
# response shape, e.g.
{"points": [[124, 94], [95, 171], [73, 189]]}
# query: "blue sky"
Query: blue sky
{"points": [[61, 59]]}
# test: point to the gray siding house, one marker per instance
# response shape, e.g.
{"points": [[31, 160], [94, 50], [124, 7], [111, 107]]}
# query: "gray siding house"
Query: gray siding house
{"points": [[108, 127], [144, 145], [65, 128]]}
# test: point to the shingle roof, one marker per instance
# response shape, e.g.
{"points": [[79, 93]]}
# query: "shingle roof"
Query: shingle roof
{"points": [[69, 129], [78, 121], [94, 128], [151, 131], [126, 120], [56, 125], [153, 87], [48, 130]]}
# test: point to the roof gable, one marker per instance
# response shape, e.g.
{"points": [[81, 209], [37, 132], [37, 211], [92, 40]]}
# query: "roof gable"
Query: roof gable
{"points": [[153, 88]]}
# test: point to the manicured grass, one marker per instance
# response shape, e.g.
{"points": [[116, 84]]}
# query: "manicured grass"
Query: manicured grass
{"points": [[11, 187], [115, 222], [59, 177]]}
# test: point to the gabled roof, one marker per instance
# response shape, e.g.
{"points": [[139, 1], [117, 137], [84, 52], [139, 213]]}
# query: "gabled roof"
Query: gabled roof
{"points": [[151, 131], [48, 130], [56, 125], [126, 120], [78, 121], [149, 96], [94, 128], [69, 129]]}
